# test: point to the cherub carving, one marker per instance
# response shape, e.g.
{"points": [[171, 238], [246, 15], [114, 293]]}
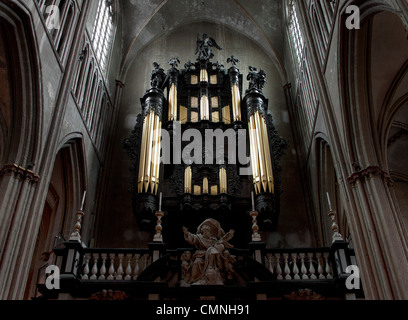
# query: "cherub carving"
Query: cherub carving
{"points": [[233, 60], [174, 62], [212, 256], [185, 268]]}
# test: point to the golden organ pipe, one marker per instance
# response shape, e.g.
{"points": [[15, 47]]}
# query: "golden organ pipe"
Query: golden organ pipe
{"points": [[149, 152], [268, 159], [260, 154], [204, 108], [253, 154], [236, 102], [255, 158], [143, 154], [205, 185], [223, 180], [187, 180], [156, 151], [261, 150], [158, 157], [203, 75], [173, 103], [153, 157]]}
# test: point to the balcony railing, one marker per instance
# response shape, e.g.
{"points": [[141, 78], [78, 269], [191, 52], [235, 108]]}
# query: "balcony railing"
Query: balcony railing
{"points": [[157, 272]]}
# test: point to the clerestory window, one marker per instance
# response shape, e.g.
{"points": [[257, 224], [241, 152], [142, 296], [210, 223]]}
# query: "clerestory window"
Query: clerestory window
{"points": [[102, 34], [295, 32]]}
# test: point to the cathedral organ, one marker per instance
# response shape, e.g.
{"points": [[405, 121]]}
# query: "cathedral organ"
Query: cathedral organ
{"points": [[70, 92], [205, 96]]}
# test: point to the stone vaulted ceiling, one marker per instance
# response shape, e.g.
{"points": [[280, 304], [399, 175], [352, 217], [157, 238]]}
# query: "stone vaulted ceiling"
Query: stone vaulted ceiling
{"points": [[145, 20]]}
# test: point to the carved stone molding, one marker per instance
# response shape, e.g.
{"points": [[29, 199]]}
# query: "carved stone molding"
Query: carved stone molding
{"points": [[132, 147], [367, 173], [19, 172]]}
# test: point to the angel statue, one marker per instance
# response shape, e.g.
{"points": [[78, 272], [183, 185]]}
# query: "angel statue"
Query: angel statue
{"points": [[204, 47], [158, 76], [212, 256], [174, 62], [257, 80]]}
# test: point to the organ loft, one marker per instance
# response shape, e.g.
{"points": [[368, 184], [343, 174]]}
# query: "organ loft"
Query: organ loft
{"points": [[205, 183]]}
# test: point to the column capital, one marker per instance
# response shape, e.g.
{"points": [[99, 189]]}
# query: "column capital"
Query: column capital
{"points": [[19, 172], [368, 172]]}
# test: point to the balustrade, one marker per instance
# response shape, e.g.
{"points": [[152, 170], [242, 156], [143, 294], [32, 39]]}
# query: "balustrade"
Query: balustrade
{"points": [[300, 264], [115, 264], [128, 264]]}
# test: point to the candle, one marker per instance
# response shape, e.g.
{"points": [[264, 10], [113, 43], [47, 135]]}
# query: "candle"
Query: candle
{"points": [[83, 201], [160, 201], [253, 201], [328, 200]]}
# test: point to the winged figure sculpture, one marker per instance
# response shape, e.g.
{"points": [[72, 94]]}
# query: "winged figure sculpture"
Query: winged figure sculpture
{"points": [[204, 47]]}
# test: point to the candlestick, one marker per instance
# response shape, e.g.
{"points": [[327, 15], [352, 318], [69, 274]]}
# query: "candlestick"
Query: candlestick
{"points": [[158, 237], [256, 237], [76, 235], [335, 227]]}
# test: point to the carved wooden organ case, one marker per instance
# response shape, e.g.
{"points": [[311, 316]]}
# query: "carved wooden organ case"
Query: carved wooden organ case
{"points": [[205, 96]]}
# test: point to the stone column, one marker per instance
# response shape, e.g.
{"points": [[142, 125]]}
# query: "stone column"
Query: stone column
{"points": [[17, 187], [379, 236]]}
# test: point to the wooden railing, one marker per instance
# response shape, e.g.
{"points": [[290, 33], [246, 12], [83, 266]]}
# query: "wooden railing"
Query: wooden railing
{"points": [[128, 264], [142, 270], [114, 264], [299, 264]]}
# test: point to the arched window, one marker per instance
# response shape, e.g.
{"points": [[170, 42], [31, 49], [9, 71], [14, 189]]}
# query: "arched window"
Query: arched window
{"points": [[295, 32], [102, 34], [306, 99]]}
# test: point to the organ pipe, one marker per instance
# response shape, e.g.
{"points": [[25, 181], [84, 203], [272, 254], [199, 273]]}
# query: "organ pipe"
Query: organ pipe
{"points": [[205, 108], [260, 154], [173, 102], [187, 180], [205, 185], [236, 102], [149, 164], [223, 180], [204, 75]]}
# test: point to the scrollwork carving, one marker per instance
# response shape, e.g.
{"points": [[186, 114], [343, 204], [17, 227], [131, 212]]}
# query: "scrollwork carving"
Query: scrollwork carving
{"points": [[131, 146]]}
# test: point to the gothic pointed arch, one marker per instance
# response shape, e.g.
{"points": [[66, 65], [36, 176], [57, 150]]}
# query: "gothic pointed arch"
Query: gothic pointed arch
{"points": [[64, 198], [23, 112]]}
